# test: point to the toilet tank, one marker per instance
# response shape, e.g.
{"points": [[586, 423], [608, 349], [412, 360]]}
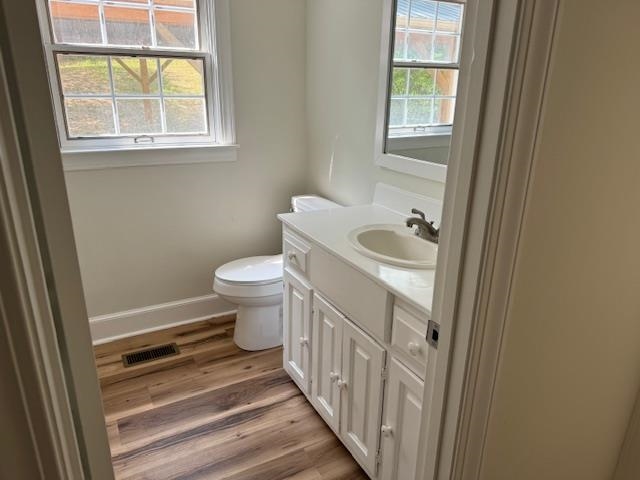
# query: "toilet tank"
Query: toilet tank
{"points": [[309, 203]]}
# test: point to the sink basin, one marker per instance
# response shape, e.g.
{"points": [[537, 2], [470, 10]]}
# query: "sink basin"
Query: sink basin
{"points": [[394, 244]]}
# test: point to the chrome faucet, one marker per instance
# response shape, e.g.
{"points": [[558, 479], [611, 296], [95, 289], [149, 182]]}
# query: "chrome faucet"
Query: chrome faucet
{"points": [[425, 229]]}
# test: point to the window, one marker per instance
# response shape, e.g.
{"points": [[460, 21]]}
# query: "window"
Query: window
{"points": [[424, 76], [136, 73]]}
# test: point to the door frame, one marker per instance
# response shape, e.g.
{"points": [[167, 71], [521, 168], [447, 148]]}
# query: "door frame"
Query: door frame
{"points": [[485, 201], [48, 329], [484, 208]]}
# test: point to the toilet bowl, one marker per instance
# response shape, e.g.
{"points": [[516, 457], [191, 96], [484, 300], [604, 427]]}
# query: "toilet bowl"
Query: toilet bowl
{"points": [[255, 285]]}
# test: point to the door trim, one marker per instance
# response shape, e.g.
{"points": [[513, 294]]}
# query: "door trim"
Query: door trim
{"points": [[485, 204], [628, 462], [25, 318], [54, 343]]}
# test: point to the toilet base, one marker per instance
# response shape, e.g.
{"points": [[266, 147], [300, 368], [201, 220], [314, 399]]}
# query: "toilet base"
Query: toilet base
{"points": [[258, 328]]}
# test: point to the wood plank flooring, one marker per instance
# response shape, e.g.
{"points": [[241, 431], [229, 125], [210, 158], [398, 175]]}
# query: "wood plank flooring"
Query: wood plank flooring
{"points": [[213, 412]]}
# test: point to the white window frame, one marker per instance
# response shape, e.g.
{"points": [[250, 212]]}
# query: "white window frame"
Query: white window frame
{"points": [[215, 52], [438, 136]]}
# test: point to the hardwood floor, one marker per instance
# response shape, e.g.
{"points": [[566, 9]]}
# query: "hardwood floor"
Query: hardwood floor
{"points": [[213, 412]]}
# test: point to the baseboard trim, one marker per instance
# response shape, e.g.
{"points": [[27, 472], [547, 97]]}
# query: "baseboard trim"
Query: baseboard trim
{"points": [[114, 326]]}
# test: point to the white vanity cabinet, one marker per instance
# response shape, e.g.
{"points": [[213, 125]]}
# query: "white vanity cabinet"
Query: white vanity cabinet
{"points": [[360, 358], [401, 424], [347, 386], [362, 383], [296, 314], [327, 361]]}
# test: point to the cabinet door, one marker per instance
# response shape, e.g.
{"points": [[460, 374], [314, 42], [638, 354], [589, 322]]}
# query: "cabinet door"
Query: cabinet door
{"points": [[401, 425], [326, 361], [361, 397], [297, 330]]}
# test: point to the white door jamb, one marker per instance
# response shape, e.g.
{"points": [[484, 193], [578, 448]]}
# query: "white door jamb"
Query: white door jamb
{"points": [[492, 161]]}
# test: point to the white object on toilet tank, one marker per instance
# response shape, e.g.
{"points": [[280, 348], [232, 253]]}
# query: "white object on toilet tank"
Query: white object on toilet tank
{"points": [[310, 203]]}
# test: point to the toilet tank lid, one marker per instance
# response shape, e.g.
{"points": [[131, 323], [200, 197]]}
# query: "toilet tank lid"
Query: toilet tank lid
{"points": [[309, 203]]}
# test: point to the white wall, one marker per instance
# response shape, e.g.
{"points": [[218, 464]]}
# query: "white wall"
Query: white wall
{"points": [[343, 45], [149, 235], [571, 362]]}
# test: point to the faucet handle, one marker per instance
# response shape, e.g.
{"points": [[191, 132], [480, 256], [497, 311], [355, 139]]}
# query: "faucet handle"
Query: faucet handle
{"points": [[415, 211]]}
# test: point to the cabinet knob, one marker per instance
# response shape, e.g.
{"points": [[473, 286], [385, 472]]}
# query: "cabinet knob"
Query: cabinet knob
{"points": [[414, 348], [333, 376], [304, 341], [386, 430], [291, 256], [342, 384]]}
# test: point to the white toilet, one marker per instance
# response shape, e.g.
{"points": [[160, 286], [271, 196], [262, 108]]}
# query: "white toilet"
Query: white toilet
{"points": [[255, 285]]}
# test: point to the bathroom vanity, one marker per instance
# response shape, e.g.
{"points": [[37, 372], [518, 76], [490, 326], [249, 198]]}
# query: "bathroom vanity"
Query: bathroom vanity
{"points": [[355, 336]]}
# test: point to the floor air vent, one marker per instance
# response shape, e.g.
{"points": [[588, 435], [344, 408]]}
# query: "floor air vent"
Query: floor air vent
{"points": [[150, 354]]}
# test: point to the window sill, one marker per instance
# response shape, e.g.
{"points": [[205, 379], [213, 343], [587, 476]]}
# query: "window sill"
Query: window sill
{"points": [[94, 159], [419, 141], [409, 166]]}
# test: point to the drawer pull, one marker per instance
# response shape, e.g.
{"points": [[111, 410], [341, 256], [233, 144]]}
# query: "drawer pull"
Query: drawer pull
{"points": [[342, 385], [292, 256], [333, 376], [386, 430], [304, 341], [414, 348]]}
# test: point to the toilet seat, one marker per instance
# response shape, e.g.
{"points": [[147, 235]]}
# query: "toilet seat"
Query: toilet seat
{"points": [[247, 290], [259, 276]]}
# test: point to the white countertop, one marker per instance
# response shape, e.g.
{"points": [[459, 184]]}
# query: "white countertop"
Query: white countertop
{"points": [[329, 229]]}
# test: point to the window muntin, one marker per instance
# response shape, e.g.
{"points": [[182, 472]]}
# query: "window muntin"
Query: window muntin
{"points": [[132, 72], [425, 67]]}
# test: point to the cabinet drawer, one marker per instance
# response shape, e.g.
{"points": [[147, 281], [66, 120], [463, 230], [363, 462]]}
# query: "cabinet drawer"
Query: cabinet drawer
{"points": [[296, 253], [409, 339]]}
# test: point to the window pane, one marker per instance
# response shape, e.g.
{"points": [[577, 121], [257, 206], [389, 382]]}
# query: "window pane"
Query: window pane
{"points": [[423, 15], [89, 117], [176, 3], [432, 33], [419, 112], [428, 32], [139, 116], [153, 96], [446, 82], [399, 85], [402, 14], [443, 111], [420, 47], [185, 115], [396, 112], [175, 29], [445, 48], [449, 18], [421, 82], [75, 22], [182, 77], [84, 74], [400, 46], [420, 92], [135, 76], [127, 26]]}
